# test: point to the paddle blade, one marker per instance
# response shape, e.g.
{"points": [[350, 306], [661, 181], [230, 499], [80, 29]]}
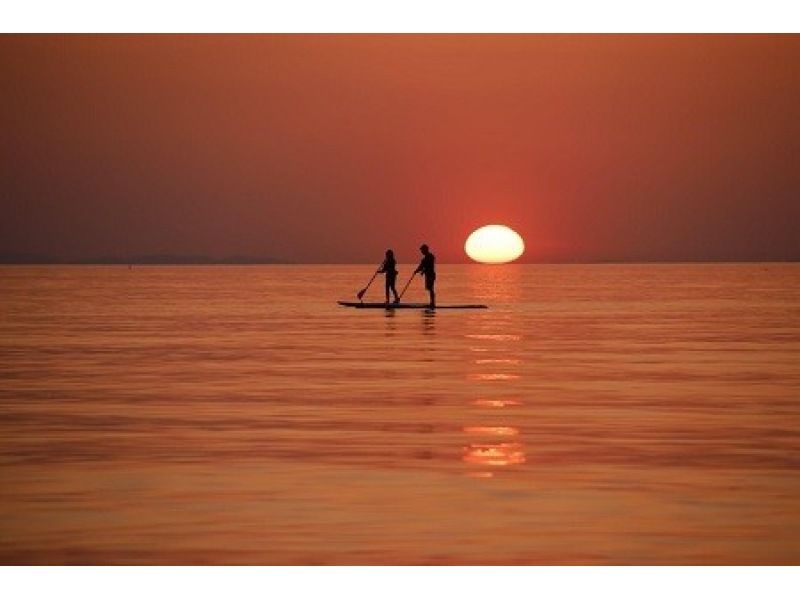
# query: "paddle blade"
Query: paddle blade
{"points": [[360, 294]]}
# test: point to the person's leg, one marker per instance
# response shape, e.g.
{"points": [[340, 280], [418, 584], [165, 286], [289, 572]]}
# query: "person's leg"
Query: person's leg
{"points": [[429, 284], [387, 287]]}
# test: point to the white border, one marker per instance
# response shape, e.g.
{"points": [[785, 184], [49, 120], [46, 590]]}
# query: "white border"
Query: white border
{"points": [[401, 582], [580, 16], [391, 16]]}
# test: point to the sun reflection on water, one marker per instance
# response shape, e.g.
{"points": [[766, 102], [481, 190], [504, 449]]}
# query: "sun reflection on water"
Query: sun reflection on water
{"points": [[492, 450], [494, 376], [497, 361], [492, 430], [495, 337], [495, 455], [495, 283], [497, 403]]}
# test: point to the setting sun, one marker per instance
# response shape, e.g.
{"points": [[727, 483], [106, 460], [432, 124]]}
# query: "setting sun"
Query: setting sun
{"points": [[494, 244]]}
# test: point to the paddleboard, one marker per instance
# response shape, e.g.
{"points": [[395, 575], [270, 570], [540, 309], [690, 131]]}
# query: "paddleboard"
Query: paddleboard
{"points": [[360, 305]]}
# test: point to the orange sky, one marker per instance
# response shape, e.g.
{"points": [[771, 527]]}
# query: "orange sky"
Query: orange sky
{"points": [[332, 148]]}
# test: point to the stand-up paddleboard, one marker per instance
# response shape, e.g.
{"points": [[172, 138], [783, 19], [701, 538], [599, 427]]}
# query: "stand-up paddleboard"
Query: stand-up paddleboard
{"points": [[359, 305]]}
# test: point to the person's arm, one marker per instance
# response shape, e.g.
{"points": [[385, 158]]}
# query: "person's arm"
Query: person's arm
{"points": [[382, 268]]}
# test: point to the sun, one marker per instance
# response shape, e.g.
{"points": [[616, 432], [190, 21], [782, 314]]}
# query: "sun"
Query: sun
{"points": [[494, 244]]}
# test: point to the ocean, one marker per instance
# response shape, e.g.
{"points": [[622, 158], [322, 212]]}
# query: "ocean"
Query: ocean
{"points": [[594, 414]]}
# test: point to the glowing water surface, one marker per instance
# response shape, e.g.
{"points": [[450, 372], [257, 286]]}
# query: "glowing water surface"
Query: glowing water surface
{"points": [[597, 414]]}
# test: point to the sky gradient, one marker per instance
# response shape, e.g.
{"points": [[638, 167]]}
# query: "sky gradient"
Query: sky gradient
{"points": [[327, 148]]}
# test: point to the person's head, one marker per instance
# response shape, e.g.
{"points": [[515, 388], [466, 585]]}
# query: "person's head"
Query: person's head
{"points": [[424, 249], [389, 254]]}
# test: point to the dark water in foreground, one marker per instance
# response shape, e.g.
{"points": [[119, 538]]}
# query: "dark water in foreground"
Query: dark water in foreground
{"points": [[598, 414]]}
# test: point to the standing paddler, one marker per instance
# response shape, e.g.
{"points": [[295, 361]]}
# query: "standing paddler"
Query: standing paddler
{"points": [[427, 268], [389, 268]]}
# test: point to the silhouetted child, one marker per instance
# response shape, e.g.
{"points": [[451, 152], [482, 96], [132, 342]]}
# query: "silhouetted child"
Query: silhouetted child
{"points": [[389, 267]]}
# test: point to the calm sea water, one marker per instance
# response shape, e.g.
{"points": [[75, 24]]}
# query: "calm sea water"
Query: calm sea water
{"points": [[604, 414]]}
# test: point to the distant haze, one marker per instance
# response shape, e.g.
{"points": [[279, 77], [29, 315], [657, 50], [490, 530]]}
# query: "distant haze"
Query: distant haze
{"points": [[333, 148]]}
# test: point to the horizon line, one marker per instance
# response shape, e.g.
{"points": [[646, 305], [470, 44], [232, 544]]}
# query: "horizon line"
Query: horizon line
{"points": [[348, 263]]}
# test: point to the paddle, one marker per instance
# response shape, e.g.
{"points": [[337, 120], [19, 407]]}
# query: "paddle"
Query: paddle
{"points": [[363, 291], [406, 287]]}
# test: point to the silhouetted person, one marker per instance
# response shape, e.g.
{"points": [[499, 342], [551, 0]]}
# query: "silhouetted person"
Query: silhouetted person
{"points": [[389, 267], [427, 268]]}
